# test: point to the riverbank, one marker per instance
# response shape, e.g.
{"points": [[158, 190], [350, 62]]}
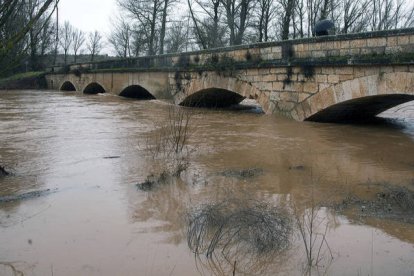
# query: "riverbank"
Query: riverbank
{"points": [[28, 80]]}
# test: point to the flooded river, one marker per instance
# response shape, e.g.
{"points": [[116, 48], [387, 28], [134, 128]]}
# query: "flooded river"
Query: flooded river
{"points": [[71, 205]]}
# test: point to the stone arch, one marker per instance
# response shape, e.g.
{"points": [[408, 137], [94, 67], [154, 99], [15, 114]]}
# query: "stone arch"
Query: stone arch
{"points": [[357, 99], [94, 88], [67, 86], [212, 97], [136, 92], [219, 91]]}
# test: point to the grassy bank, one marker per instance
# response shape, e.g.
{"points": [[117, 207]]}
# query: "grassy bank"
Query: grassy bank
{"points": [[28, 80]]}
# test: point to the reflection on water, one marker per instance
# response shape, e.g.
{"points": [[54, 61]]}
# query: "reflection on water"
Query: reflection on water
{"points": [[96, 222]]}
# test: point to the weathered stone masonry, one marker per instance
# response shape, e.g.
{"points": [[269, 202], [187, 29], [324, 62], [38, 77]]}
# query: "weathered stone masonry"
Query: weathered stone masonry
{"points": [[296, 78]]}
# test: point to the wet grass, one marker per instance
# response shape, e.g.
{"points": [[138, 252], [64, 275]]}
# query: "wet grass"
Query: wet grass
{"points": [[235, 234], [243, 173], [389, 202]]}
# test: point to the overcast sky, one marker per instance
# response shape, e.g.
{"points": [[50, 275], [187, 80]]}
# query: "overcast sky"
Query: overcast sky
{"points": [[88, 15]]}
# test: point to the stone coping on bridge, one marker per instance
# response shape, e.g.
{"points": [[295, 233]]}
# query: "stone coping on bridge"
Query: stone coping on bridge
{"points": [[358, 48]]}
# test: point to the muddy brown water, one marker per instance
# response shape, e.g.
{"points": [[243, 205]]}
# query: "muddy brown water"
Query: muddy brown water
{"points": [[88, 152]]}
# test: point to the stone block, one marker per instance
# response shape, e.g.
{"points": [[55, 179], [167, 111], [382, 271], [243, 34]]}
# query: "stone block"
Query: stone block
{"points": [[328, 70], [298, 48], [345, 44], [392, 41], [333, 78], [323, 86], [403, 40], [266, 50], [377, 42], [263, 71], [346, 70], [333, 53], [411, 39], [286, 106], [355, 51], [274, 96], [358, 43], [345, 52], [270, 77], [275, 55], [339, 93], [289, 96], [281, 77], [277, 86], [276, 49], [321, 78], [300, 113], [310, 87], [318, 54], [328, 97], [304, 96], [277, 70]]}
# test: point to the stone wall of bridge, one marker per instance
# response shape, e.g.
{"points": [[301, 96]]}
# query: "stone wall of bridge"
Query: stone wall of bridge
{"points": [[295, 78]]}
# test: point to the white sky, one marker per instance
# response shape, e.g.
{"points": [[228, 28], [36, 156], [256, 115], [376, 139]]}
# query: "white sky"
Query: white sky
{"points": [[88, 15]]}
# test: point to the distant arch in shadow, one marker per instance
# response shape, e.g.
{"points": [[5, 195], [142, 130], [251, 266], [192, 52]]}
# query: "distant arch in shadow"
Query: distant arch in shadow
{"points": [[67, 86], [94, 88], [212, 98], [359, 109], [136, 92]]}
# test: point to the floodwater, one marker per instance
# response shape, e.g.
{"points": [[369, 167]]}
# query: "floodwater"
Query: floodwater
{"points": [[85, 154]]}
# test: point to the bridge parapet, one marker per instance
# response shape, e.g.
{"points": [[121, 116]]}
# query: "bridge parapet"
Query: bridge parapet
{"points": [[392, 46]]}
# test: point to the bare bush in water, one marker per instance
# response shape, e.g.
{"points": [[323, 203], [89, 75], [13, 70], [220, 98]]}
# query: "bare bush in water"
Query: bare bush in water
{"points": [[171, 137], [168, 148], [312, 228], [238, 235]]}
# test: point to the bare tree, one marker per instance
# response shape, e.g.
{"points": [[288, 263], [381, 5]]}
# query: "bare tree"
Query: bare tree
{"points": [[66, 38], [389, 14], [176, 37], [94, 44], [21, 23], [208, 30], [121, 37], [265, 11], [146, 13], [288, 9], [78, 38], [237, 18]]}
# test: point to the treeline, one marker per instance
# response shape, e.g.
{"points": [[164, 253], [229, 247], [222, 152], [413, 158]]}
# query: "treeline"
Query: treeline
{"points": [[31, 38], [148, 27]]}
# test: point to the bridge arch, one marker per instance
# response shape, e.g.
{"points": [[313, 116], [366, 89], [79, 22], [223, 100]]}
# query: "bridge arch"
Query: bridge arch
{"points": [[212, 97], [94, 88], [213, 90], [136, 92], [358, 99], [67, 86]]}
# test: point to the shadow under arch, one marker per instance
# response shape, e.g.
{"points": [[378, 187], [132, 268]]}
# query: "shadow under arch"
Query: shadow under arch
{"points": [[94, 88], [212, 98], [360, 109], [67, 86], [136, 92]]}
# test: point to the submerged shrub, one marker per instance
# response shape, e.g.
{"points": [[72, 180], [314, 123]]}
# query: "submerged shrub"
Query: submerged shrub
{"points": [[237, 234]]}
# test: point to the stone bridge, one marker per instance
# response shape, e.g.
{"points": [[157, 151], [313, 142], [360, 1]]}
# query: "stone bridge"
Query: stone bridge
{"points": [[327, 79]]}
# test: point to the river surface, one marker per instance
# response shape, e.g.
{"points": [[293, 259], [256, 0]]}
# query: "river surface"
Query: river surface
{"points": [[85, 154]]}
